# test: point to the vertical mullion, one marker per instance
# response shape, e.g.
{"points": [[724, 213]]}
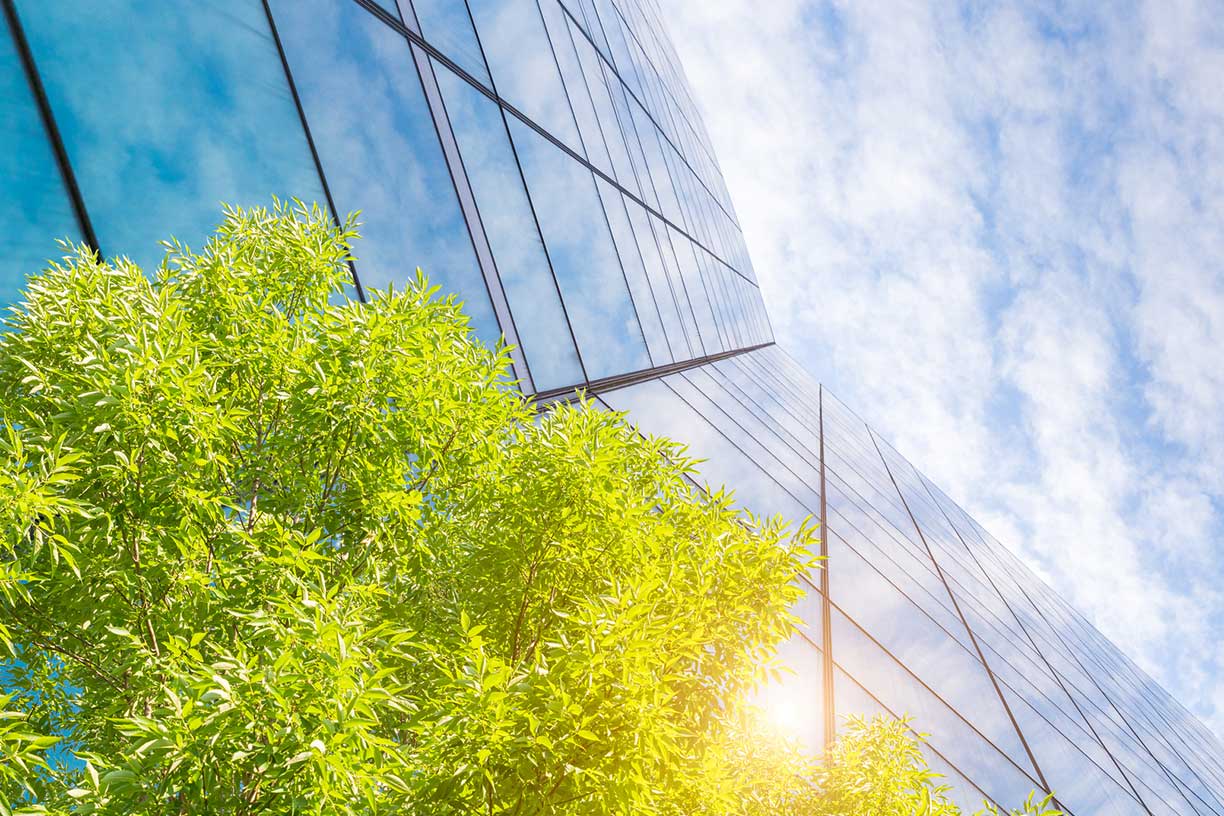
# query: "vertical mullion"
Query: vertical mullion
{"points": [[826, 607]]}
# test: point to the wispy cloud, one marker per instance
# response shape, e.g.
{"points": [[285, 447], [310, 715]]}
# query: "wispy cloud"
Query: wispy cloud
{"points": [[997, 230]]}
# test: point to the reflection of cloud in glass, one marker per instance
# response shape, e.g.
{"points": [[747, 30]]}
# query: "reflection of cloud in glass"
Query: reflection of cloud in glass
{"points": [[695, 288], [166, 110], [34, 206], [571, 74], [683, 301], [448, 27], [583, 257], [660, 283], [949, 734], [669, 205], [379, 150], [793, 704], [635, 273], [522, 63], [592, 70], [941, 662], [517, 250]]}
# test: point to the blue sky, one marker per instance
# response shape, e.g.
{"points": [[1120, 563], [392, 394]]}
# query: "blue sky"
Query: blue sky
{"points": [[997, 231]]}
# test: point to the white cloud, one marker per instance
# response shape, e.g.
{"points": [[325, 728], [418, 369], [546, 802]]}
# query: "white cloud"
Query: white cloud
{"points": [[996, 232]]}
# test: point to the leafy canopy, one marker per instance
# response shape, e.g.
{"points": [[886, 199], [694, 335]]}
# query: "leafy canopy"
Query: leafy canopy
{"points": [[266, 549]]}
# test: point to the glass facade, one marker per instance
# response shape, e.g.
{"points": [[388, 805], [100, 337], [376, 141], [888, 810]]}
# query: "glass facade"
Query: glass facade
{"points": [[545, 160]]}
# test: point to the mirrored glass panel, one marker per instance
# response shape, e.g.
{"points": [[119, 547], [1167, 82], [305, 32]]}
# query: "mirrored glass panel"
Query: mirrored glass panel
{"points": [[523, 65], [447, 26], [380, 152], [169, 110], [584, 260], [658, 410], [509, 223], [34, 204]]}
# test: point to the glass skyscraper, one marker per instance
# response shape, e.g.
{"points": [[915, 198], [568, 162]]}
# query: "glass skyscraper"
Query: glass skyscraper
{"points": [[545, 159]]}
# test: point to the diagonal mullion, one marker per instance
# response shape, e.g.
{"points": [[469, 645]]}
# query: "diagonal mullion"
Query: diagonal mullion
{"points": [[960, 614]]}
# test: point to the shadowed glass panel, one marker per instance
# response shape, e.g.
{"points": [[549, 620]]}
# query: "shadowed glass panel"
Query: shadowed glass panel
{"points": [[379, 150], [168, 109]]}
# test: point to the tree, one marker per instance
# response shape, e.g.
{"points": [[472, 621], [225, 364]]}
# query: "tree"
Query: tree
{"points": [[270, 550]]}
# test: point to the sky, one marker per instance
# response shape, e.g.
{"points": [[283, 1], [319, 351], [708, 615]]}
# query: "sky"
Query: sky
{"points": [[996, 230]]}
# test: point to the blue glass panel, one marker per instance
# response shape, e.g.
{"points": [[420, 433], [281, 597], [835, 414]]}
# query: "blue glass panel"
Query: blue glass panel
{"points": [[635, 273], [390, 6], [683, 302], [605, 110], [447, 26], [524, 69], [656, 409], [649, 136], [168, 109], [583, 257], [660, 283], [380, 152], [34, 205], [509, 223], [575, 84]]}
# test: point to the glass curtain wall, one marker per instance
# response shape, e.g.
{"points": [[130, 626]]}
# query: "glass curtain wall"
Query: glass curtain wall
{"points": [[542, 160], [546, 161], [928, 615]]}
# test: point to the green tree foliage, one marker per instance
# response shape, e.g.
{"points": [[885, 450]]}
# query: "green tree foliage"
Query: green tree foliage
{"points": [[267, 550]]}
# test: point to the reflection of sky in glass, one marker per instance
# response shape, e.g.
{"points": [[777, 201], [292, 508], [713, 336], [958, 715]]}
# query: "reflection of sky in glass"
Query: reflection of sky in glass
{"points": [[34, 206], [649, 136], [592, 71], [380, 152], [506, 214], [557, 25], [583, 257], [1081, 784], [926, 649], [524, 69], [656, 409], [950, 735], [447, 26], [683, 301], [665, 298], [168, 109], [695, 287], [635, 273]]}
